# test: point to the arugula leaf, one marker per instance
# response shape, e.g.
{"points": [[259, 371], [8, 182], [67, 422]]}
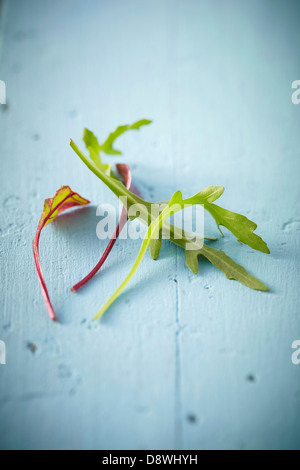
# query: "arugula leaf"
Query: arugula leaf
{"points": [[231, 220], [221, 261], [239, 225], [216, 257], [64, 199], [94, 149], [155, 247], [207, 195], [116, 186], [107, 146]]}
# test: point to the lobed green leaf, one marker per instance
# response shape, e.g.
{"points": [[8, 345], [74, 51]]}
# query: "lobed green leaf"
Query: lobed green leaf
{"points": [[239, 225], [107, 146], [230, 268]]}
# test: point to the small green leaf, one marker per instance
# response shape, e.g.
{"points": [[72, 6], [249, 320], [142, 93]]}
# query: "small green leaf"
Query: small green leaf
{"points": [[239, 225], [107, 146], [192, 262], [91, 140], [94, 149], [209, 194], [155, 247]]}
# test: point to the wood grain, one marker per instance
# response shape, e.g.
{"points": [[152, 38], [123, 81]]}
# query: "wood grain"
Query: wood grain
{"points": [[180, 361]]}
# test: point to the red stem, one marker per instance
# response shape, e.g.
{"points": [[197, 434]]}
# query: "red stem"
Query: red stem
{"points": [[124, 172], [122, 223], [41, 277], [36, 255]]}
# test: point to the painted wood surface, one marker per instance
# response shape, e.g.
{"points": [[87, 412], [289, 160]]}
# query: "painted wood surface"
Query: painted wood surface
{"points": [[180, 361]]}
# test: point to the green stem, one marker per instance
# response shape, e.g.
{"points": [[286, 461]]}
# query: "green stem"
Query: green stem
{"points": [[116, 187], [152, 230], [178, 236]]}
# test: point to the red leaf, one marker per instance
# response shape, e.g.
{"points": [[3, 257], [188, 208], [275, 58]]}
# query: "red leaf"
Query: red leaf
{"points": [[64, 199]]}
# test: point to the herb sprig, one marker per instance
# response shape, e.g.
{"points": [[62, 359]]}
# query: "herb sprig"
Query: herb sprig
{"points": [[156, 220], [239, 225]]}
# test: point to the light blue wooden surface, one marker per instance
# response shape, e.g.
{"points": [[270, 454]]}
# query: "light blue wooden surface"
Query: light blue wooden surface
{"points": [[169, 365]]}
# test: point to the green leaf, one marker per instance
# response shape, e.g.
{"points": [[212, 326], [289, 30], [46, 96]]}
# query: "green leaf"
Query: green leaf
{"points": [[107, 146], [155, 247], [94, 149], [192, 262], [209, 194], [158, 227], [230, 268], [239, 225], [91, 141]]}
